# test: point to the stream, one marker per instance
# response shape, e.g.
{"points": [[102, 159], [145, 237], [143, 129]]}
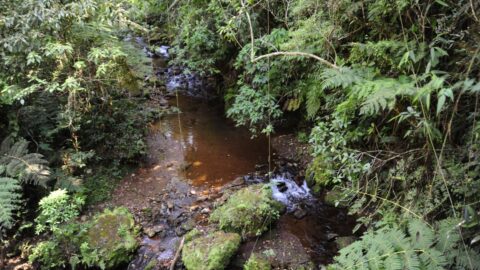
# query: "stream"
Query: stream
{"points": [[195, 155]]}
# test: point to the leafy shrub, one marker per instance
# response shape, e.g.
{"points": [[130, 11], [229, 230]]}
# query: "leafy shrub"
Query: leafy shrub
{"points": [[333, 161], [254, 109], [249, 211], [56, 209], [48, 254]]}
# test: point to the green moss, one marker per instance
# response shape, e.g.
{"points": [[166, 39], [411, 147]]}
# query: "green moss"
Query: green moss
{"points": [[335, 197], [152, 264], [256, 262], [192, 234], [111, 239], [210, 252], [248, 211]]}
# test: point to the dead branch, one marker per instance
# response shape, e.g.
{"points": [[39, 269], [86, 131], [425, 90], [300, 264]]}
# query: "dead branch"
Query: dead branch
{"points": [[177, 254]]}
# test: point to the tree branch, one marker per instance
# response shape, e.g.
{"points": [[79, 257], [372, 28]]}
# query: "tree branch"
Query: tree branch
{"points": [[325, 62], [252, 51], [177, 254]]}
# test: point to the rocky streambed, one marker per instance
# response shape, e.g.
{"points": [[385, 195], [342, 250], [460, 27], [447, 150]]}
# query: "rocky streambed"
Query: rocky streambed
{"points": [[196, 160]]}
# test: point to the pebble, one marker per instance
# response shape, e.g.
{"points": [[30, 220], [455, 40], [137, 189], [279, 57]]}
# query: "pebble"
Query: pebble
{"points": [[299, 213], [152, 231], [202, 198], [194, 208], [205, 211]]}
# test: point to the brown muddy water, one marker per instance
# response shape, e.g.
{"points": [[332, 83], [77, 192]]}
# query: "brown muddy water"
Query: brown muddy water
{"points": [[214, 151]]}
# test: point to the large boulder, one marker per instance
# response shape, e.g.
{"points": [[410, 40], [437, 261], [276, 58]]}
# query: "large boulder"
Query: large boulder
{"points": [[209, 252], [110, 240], [249, 211]]}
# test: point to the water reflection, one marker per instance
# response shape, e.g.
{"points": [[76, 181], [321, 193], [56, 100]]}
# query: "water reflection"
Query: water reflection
{"points": [[215, 151]]}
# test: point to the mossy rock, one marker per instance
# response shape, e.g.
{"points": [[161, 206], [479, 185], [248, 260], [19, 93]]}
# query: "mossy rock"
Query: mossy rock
{"points": [[344, 241], [249, 211], [335, 197], [110, 239], [210, 252], [256, 262]]}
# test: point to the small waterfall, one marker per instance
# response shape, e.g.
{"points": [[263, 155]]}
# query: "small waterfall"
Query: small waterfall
{"points": [[288, 192], [162, 51]]}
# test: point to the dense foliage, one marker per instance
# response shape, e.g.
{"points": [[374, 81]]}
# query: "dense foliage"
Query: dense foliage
{"points": [[389, 90], [70, 110]]}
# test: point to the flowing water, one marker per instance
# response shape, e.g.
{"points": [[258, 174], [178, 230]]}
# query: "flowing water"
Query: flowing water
{"points": [[196, 150]]}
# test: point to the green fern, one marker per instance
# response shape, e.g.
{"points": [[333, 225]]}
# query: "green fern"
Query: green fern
{"points": [[328, 79], [419, 247], [17, 167], [21, 165], [372, 97], [9, 201], [343, 77]]}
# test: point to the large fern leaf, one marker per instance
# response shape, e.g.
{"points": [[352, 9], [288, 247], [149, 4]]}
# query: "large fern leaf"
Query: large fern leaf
{"points": [[393, 249], [21, 165], [9, 201]]}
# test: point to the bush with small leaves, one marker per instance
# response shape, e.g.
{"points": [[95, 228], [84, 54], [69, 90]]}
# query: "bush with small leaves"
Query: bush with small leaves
{"points": [[56, 209]]}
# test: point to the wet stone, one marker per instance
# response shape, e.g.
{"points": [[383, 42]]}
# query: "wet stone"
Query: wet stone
{"points": [[152, 231], [344, 241], [282, 186], [205, 211], [185, 227], [299, 213]]}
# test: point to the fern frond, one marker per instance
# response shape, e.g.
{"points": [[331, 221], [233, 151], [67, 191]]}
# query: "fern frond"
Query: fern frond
{"points": [[341, 78], [21, 165], [9, 201], [423, 235], [448, 234], [421, 248], [375, 96]]}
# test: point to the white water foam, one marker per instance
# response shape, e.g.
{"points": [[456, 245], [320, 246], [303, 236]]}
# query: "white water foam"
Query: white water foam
{"points": [[163, 51], [292, 194]]}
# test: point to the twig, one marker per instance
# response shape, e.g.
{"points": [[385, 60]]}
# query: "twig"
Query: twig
{"points": [[172, 5], [473, 11], [177, 254]]}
